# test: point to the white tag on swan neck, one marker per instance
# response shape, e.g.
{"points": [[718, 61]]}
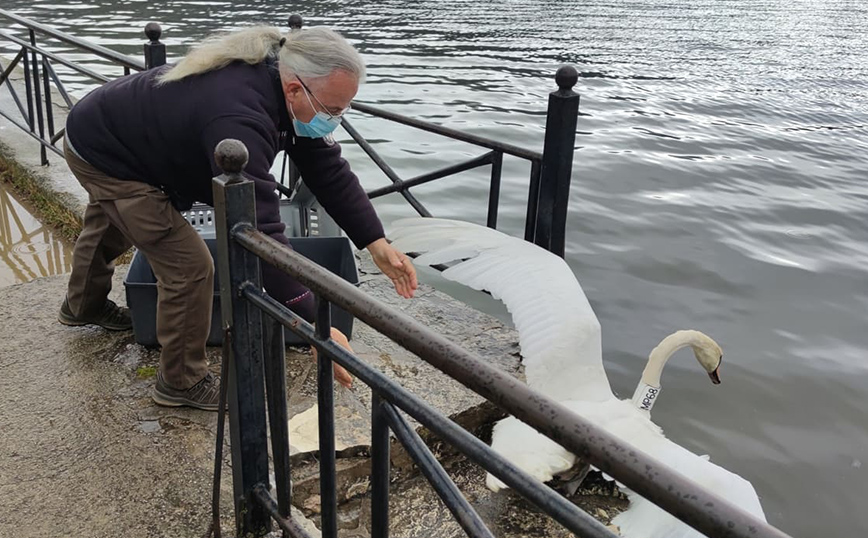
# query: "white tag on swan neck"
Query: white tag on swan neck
{"points": [[645, 396]]}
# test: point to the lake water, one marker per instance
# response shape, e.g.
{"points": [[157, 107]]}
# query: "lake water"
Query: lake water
{"points": [[718, 184]]}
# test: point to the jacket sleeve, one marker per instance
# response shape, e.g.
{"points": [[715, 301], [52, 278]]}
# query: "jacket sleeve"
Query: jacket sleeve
{"points": [[260, 142], [336, 187]]}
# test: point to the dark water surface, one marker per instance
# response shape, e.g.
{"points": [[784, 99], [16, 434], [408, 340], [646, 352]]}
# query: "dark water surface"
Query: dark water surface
{"points": [[719, 184]]}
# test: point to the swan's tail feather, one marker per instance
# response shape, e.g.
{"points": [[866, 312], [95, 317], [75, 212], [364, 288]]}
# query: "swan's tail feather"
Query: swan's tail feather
{"points": [[536, 454]]}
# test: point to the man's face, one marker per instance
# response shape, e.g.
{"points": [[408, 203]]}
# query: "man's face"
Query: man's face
{"points": [[331, 94]]}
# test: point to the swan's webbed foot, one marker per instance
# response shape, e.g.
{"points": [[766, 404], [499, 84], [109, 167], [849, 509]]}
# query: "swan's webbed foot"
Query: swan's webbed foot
{"points": [[569, 481]]}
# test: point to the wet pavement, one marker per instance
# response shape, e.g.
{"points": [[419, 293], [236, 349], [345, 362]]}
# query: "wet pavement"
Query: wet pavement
{"points": [[86, 453], [28, 248]]}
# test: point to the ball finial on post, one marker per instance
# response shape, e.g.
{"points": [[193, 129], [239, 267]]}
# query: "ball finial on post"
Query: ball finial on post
{"points": [[566, 77], [549, 224], [155, 52], [231, 156], [295, 21], [153, 32]]}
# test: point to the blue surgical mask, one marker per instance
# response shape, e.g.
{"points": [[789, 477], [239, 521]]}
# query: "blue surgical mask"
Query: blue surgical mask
{"points": [[319, 126]]}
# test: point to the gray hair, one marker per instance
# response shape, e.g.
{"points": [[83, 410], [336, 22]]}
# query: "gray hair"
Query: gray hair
{"points": [[313, 53]]}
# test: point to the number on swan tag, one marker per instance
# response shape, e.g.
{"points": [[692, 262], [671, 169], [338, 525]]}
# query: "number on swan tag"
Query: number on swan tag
{"points": [[645, 396]]}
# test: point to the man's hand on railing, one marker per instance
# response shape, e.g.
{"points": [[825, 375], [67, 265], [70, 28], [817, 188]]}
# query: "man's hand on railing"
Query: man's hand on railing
{"points": [[395, 265], [341, 375]]}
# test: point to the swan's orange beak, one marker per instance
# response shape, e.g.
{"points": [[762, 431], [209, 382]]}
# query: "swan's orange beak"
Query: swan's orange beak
{"points": [[715, 376]]}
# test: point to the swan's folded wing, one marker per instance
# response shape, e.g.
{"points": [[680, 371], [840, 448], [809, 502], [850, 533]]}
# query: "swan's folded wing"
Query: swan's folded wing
{"points": [[559, 333]]}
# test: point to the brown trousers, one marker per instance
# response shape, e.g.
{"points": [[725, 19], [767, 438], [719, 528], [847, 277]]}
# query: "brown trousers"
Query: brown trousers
{"points": [[123, 213]]}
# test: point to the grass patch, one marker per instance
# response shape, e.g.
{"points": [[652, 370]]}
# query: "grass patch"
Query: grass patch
{"points": [[146, 372]]}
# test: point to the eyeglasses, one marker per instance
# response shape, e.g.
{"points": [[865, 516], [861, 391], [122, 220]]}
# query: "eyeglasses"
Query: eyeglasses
{"points": [[325, 108]]}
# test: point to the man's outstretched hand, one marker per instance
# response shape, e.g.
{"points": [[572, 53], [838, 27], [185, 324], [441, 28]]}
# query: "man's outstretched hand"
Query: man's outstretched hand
{"points": [[341, 375], [395, 265]]}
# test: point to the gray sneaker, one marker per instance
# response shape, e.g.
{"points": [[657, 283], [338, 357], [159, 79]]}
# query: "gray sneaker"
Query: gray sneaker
{"points": [[203, 395], [111, 317]]}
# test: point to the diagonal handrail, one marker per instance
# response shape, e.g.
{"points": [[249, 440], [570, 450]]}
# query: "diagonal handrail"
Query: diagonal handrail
{"points": [[450, 170], [99, 50], [509, 149], [42, 52], [384, 166], [461, 509], [11, 66], [61, 89], [5, 81], [27, 131]]}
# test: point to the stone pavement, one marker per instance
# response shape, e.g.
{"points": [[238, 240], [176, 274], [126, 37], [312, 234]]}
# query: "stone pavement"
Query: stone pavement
{"points": [[85, 452]]}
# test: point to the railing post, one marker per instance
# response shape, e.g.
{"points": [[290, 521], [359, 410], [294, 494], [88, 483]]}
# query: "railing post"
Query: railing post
{"points": [[380, 466], [43, 156], [155, 52], [49, 108], [234, 204], [275, 386], [326, 403], [557, 163]]}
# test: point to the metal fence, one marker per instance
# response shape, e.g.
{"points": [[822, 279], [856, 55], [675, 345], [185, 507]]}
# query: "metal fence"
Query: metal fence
{"points": [[38, 63], [548, 186]]}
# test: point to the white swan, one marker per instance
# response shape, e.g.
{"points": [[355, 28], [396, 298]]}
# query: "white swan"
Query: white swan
{"points": [[548, 459], [559, 335]]}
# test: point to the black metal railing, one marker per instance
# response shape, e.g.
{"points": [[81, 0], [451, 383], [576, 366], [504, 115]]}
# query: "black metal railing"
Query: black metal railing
{"points": [[257, 352], [37, 62], [550, 170]]}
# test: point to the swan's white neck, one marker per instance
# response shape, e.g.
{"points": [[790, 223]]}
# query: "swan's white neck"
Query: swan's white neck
{"points": [[664, 350], [649, 386]]}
